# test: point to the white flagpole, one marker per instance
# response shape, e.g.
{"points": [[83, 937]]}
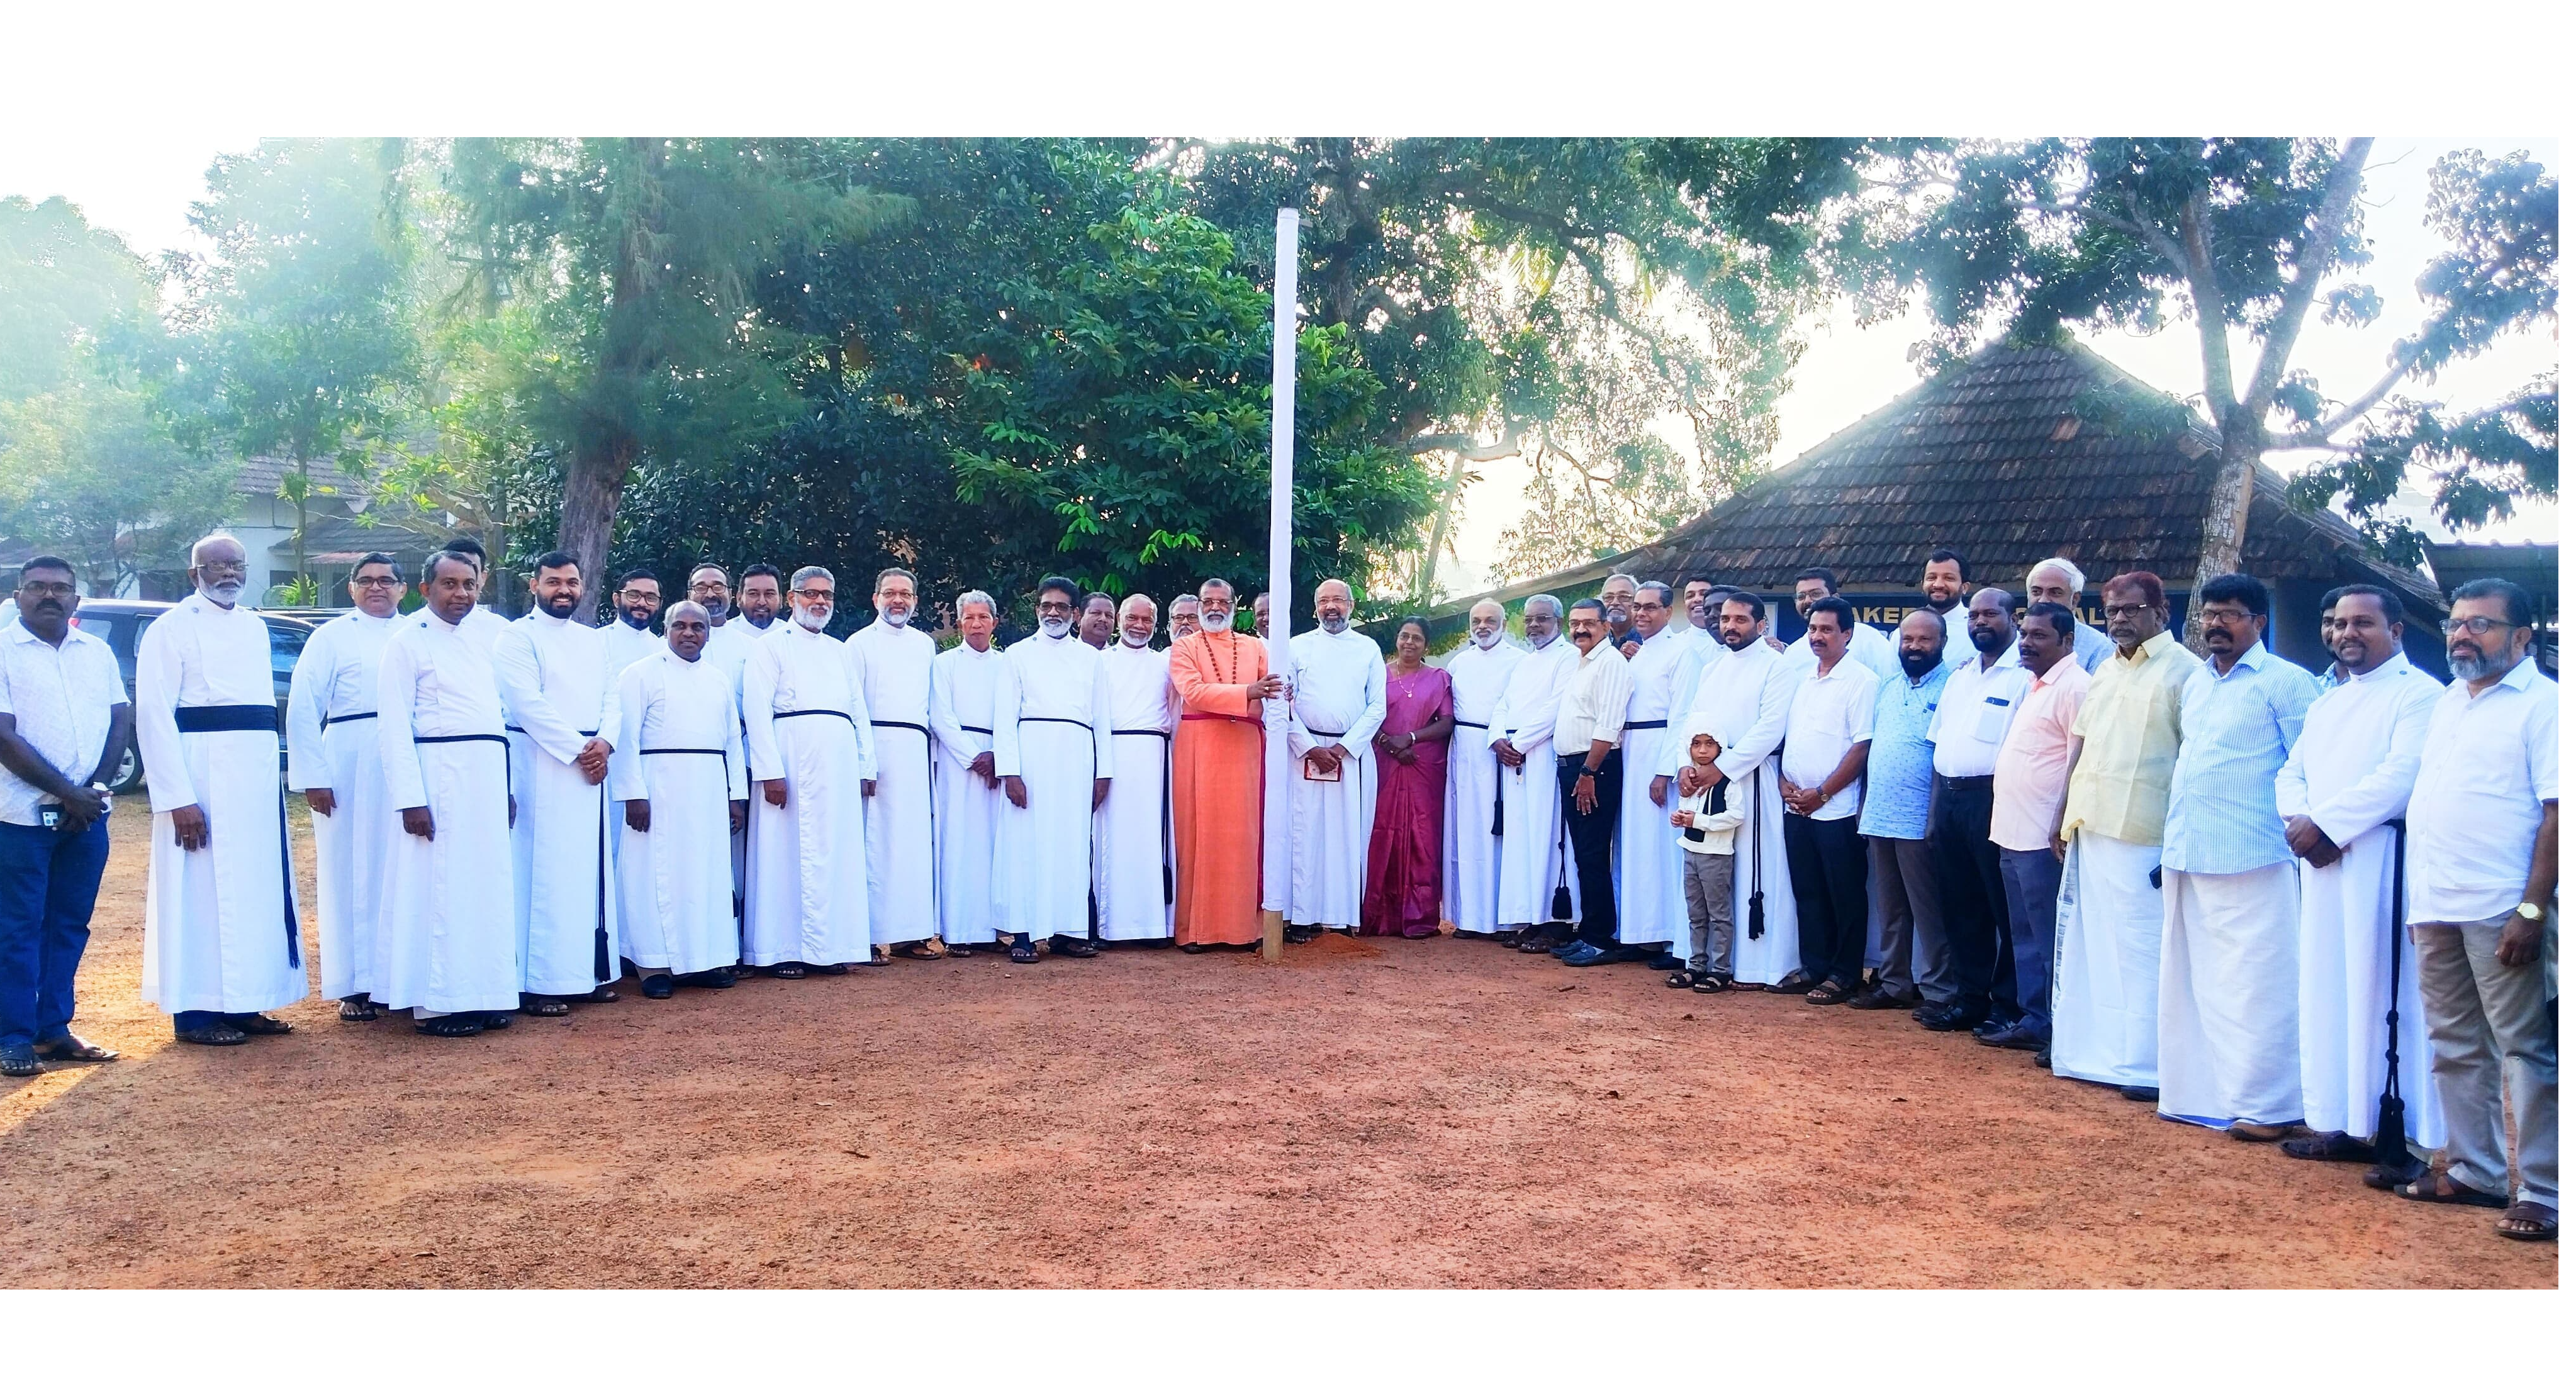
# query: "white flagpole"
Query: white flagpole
{"points": [[1283, 487]]}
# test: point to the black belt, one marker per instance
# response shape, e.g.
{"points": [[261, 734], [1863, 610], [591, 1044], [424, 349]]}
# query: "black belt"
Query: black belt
{"points": [[680, 750], [229, 717], [1565, 759], [1658, 724], [255, 717], [1070, 722], [907, 726], [1329, 736], [329, 722], [979, 731], [441, 740], [1966, 784], [524, 731], [1140, 731], [1480, 726], [813, 712]]}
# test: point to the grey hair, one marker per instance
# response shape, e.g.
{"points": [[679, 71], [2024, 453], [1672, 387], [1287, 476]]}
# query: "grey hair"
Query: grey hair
{"points": [[1554, 607], [1663, 590], [199, 548], [1482, 604], [682, 610], [2074, 576], [1132, 600], [812, 571], [1614, 578], [1218, 583], [973, 596]]}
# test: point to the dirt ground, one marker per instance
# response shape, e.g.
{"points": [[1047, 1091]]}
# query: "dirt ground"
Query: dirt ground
{"points": [[1385, 1113]]}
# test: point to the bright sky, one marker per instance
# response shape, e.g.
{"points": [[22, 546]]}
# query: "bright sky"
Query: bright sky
{"points": [[141, 186]]}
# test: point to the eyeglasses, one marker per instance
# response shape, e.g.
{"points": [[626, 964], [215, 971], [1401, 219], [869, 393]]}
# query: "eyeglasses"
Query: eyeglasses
{"points": [[2225, 616], [2475, 626], [813, 594], [225, 566], [376, 581], [2122, 609]]}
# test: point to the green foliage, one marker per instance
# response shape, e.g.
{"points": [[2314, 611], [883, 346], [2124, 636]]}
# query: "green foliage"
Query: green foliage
{"points": [[88, 472], [62, 286]]}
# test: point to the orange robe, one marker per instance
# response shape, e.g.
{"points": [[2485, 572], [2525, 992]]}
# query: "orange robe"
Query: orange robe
{"points": [[1216, 788]]}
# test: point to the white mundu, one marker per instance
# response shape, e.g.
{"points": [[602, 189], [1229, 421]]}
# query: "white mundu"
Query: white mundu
{"points": [[1534, 853], [2350, 772], [445, 939], [894, 677], [220, 933], [1337, 683], [1049, 707], [1742, 699], [1471, 853], [559, 694], [961, 721], [679, 748], [331, 744], [1649, 864], [1132, 875], [805, 889]]}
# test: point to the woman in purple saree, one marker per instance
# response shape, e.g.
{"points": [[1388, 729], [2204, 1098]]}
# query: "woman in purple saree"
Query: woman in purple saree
{"points": [[1404, 864]]}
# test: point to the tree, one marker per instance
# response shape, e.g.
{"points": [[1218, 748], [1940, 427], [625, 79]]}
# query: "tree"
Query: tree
{"points": [[296, 337], [1553, 300], [638, 261], [63, 285], [2237, 234]]}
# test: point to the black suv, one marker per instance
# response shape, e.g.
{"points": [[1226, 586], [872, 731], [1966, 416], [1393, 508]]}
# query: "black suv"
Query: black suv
{"points": [[120, 623]]}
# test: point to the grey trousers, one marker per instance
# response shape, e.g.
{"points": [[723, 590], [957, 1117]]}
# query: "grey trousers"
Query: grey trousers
{"points": [[1905, 920], [1708, 888], [2030, 902], [2491, 1031]]}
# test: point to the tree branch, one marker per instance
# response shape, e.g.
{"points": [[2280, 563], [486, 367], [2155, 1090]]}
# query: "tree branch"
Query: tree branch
{"points": [[1465, 446], [2341, 186], [2209, 312]]}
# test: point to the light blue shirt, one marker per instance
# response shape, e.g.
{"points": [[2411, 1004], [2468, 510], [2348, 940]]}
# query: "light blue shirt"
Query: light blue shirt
{"points": [[2223, 817], [1898, 800], [2091, 646]]}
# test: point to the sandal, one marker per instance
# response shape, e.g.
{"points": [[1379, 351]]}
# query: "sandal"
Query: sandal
{"points": [[1828, 992], [357, 1009], [20, 1061], [450, 1026], [1679, 980], [259, 1025], [74, 1047], [1712, 983], [2529, 1221], [545, 1006], [2333, 1146], [2382, 1178], [214, 1035], [2444, 1190]]}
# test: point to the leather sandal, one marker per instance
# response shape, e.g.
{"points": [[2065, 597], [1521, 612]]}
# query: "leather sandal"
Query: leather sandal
{"points": [[75, 1048], [259, 1025], [20, 1061], [214, 1035]]}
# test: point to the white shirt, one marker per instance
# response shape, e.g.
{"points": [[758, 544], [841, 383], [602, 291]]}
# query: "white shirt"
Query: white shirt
{"points": [[1957, 649], [1595, 705], [1976, 709], [61, 698], [2489, 763], [1875, 649], [1828, 714]]}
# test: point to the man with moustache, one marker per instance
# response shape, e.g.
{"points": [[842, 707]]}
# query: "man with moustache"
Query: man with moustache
{"points": [[1742, 699], [1824, 749], [1968, 729], [1912, 951], [1184, 613], [1536, 861], [1877, 653], [805, 716], [332, 755], [1651, 911], [1050, 723], [2227, 1027], [962, 678], [2057, 580], [1590, 716], [1223, 678], [1336, 699], [678, 772], [2030, 791], [893, 658], [2343, 795], [561, 700], [762, 603], [1478, 674], [1945, 588], [1131, 884], [221, 940], [630, 631], [1618, 613], [1098, 625]]}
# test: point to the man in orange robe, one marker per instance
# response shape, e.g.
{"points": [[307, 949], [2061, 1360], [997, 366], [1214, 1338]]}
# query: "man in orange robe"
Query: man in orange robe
{"points": [[1222, 679]]}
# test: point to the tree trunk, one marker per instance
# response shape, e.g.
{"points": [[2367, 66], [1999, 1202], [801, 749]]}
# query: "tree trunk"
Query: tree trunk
{"points": [[1428, 577], [594, 482], [2222, 528]]}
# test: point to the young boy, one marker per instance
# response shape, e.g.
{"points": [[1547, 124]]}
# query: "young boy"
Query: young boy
{"points": [[1708, 821]]}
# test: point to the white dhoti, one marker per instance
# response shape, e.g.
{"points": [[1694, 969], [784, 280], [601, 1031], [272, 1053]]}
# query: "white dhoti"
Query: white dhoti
{"points": [[1328, 836], [1045, 848], [220, 931], [1535, 854], [902, 839], [675, 880], [1648, 862], [446, 942], [2345, 926], [1472, 857], [349, 857], [2110, 941], [802, 900], [565, 891], [1133, 881], [2227, 1025], [968, 828], [1762, 870]]}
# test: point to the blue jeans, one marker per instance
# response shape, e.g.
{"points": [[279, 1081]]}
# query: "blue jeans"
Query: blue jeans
{"points": [[48, 884]]}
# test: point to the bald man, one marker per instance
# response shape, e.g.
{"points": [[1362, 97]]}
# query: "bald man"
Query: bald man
{"points": [[1131, 883], [1336, 699]]}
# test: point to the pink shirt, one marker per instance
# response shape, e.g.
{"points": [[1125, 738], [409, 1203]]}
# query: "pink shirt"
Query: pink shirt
{"points": [[2030, 772]]}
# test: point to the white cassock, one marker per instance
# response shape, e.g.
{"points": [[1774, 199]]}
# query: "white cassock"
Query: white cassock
{"points": [[679, 748], [1648, 864], [1132, 880], [626, 645], [482, 626], [728, 653], [1742, 699], [220, 933], [961, 722], [1471, 854], [558, 693], [1338, 698], [2350, 772], [1534, 854], [446, 942], [331, 744], [903, 837], [805, 895], [1050, 705]]}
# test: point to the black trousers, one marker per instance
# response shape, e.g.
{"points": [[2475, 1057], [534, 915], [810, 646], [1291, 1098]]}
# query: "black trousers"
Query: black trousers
{"points": [[1588, 836], [1829, 874], [1973, 909]]}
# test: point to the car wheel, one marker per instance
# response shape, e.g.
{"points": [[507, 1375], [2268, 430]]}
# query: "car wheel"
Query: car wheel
{"points": [[129, 772]]}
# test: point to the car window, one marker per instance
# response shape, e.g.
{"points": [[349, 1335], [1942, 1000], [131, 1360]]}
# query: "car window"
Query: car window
{"points": [[285, 643]]}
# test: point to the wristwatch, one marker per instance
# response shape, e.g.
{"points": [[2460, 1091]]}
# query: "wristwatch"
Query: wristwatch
{"points": [[2528, 911], [1587, 772]]}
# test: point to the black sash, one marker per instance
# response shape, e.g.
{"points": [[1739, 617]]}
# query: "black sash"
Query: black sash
{"points": [[1140, 731], [813, 712], [256, 717], [1068, 721], [442, 740], [329, 722], [979, 731], [1480, 726], [907, 726], [514, 727], [680, 750], [1658, 724]]}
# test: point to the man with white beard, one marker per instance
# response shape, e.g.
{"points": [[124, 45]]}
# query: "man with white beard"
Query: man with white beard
{"points": [[2347, 778], [446, 945], [1131, 883], [1185, 619], [678, 769], [221, 943], [630, 632], [970, 794], [1742, 699], [1336, 699], [1473, 855], [331, 755], [561, 700], [805, 896], [893, 660], [1535, 862], [1650, 864], [1050, 718]]}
